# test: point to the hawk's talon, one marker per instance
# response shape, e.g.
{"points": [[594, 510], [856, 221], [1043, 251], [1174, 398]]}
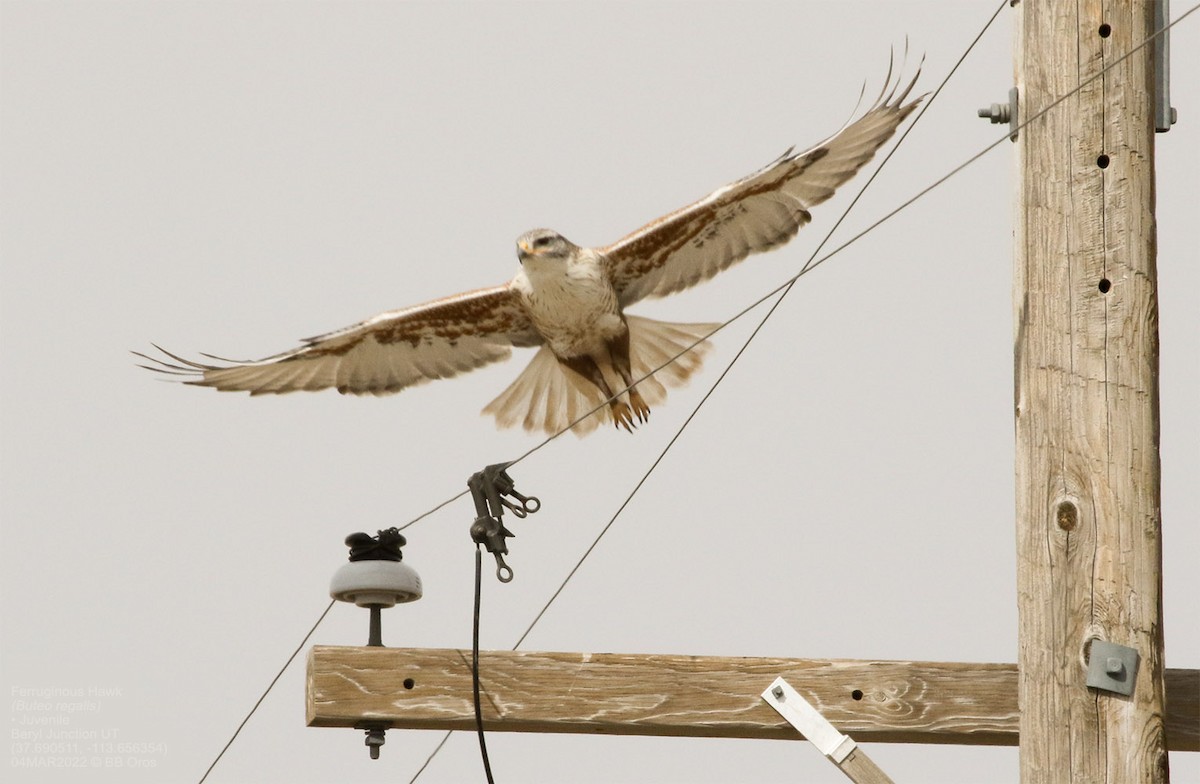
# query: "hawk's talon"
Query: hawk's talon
{"points": [[639, 406], [622, 416]]}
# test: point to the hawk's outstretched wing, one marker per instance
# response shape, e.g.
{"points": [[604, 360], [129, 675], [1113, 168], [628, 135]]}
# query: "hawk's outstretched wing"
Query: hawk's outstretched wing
{"points": [[383, 354], [756, 213]]}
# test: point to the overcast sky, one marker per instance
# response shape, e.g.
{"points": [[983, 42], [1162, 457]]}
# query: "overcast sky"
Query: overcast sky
{"points": [[231, 177]]}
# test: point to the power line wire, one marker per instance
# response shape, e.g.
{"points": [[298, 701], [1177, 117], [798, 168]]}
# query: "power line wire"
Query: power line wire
{"points": [[811, 264], [784, 288], [267, 691], [432, 754]]}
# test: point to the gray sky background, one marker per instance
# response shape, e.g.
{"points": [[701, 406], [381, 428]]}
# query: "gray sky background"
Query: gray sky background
{"points": [[230, 177]]}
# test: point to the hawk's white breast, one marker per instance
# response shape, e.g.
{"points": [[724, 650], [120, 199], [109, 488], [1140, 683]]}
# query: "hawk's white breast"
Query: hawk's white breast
{"points": [[572, 305]]}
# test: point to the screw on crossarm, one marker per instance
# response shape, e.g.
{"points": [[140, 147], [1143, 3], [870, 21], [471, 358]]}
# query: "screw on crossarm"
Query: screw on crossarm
{"points": [[376, 735], [491, 490]]}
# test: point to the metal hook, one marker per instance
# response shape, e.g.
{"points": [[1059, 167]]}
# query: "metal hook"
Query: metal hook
{"points": [[528, 505], [504, 572]]}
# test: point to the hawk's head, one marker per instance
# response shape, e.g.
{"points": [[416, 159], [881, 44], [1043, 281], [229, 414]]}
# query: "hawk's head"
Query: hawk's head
{"points": [[544, 244]]}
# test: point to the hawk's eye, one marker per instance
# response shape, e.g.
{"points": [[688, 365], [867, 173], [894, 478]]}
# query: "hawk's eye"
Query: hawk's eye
{"points": [[542, 242]]}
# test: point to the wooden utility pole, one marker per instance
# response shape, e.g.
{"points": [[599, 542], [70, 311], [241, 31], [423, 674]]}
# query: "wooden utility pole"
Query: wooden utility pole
{"points": [[1087, 473]]}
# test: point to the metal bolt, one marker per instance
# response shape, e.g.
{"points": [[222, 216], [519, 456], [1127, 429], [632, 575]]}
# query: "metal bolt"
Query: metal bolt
{"points": [[1004, 113], [375, 629], [997, 113], [375, 739], [1113, 665], [778, 692]]}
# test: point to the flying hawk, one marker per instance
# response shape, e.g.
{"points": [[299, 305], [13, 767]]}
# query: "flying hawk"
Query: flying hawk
{"points": [[570, 302]]}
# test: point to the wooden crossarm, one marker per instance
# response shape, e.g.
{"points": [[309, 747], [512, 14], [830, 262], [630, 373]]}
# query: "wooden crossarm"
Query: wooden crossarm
{"points": [[701, 696]]}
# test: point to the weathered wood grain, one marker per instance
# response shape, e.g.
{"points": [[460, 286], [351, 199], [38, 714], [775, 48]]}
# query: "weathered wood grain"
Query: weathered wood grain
{"points": [[1087, 460], [861, 769], [705, 696]]}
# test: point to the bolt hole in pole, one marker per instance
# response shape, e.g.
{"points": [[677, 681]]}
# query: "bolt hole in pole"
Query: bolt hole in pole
{"points": [[1105, 30], [1102, 161], [409, 683], [1105, 285], [856, 694]]}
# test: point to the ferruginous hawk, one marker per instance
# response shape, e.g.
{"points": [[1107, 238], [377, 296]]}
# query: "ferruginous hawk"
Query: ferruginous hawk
{"points": [[570, 302]]}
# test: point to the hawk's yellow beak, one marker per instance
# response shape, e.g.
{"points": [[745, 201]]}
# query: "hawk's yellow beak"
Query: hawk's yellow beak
{"points": [[524, 246]]}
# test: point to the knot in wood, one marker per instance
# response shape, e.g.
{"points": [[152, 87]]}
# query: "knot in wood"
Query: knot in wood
{"points": [[1067, 516]]}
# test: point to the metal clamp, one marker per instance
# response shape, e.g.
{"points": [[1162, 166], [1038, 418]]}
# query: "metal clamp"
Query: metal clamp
{"points": [[491, 488]]}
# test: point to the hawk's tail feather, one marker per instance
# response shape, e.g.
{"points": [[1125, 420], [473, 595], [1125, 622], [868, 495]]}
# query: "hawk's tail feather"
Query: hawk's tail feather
{"points": [[653, 344], [547, 396]]}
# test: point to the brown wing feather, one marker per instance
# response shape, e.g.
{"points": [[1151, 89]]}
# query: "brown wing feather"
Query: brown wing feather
{"points": [[754, 214], [381, 355]]}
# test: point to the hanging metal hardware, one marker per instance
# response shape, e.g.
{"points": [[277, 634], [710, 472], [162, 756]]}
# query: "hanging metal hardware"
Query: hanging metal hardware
{"points": [[491, 489]]}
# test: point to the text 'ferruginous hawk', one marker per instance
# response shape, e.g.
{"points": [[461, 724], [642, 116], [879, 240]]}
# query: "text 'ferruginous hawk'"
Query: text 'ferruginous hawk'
{"points": [[570, 303]]}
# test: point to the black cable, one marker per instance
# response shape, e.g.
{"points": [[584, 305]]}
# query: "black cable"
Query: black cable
{"points": [[483, 752]]}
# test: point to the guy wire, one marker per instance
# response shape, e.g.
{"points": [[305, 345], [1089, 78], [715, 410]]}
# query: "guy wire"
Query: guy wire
{"points": [[782, 289]]}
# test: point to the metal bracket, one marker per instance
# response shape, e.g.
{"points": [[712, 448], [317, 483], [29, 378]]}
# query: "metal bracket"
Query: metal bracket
{"points": [[1164, 115], [800, 713], [1112, 667], [839, 749]]}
